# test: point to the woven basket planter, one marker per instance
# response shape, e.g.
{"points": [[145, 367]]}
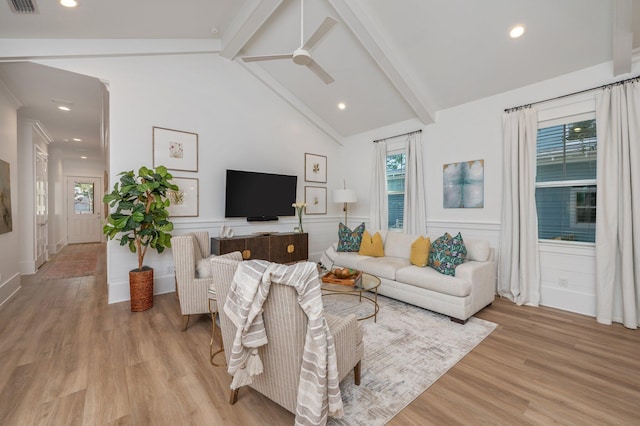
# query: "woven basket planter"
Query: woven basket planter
{"points": [[141, 289]]}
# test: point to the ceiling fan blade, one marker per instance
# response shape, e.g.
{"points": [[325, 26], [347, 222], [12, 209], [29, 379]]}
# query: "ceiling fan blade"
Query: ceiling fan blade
{"points": [[267, 57], [322, 30], [317, 70]]}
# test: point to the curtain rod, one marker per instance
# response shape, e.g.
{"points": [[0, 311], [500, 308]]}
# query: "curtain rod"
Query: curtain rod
{"points": [[397, 136], [604, 86]]}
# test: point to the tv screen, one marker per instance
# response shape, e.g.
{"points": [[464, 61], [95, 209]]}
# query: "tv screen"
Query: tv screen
{"points": [[259, 196]]}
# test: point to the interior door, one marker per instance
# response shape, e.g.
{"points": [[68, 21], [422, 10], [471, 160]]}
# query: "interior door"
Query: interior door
{"points": [[84, 201], [41, 192]]}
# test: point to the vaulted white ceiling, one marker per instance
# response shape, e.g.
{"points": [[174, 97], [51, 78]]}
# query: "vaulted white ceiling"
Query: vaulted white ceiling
{"points": [[391, 61]]}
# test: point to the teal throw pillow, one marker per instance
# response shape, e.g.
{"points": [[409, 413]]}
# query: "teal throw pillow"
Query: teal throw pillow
{"points": [[446, 253], [349, 240]]}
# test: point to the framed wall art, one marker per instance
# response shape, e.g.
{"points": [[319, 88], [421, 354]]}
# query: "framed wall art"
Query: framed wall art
{"points": [[463, 184], [316, 199], [6, 222], [315, 168], [184, 201], [175, 149]]}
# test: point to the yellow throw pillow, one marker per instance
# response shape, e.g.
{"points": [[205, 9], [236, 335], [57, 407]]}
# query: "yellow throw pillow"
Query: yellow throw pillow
{"points": [[371, 246], [420, 251]]}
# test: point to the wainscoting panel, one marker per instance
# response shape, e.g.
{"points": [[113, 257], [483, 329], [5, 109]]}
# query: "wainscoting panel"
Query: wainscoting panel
{"points": [[568, 277], [473, 230]]}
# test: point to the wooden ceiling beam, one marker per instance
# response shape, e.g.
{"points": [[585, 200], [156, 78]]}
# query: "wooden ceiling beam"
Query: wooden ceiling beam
{"points": [[365, 31], [622, 37], [247, 22]]}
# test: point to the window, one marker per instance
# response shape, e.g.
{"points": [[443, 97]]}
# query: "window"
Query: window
{"points": [[396, 168], [83, 200], [566, 181]]}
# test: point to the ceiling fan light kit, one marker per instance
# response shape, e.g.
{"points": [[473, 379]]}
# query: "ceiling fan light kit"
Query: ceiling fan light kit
{"points": [[302, 55]]}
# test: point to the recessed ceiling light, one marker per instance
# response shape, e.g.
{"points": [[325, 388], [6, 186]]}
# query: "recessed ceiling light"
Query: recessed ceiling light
{"points": [[516, 31], [214, 30], [69, 3], [77, 139], [84, 157], [64, 108], [342, 105]]}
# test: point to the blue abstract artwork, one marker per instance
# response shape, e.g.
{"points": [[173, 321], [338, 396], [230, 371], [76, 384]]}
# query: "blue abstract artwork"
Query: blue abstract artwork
{"points": [[463, 184]]}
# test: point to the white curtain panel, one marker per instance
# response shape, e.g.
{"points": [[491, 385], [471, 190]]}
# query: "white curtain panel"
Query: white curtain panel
{"points": [[618, 192], [378, 211], [414, 216], [519, 261]]}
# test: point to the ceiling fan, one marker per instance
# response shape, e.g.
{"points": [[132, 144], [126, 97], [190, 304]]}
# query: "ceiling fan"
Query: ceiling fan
{"points": [[301, 55]]}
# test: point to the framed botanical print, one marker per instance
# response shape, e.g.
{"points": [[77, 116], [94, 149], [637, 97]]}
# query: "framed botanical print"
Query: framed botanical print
{"points": [[315, 168], [175, 149], [184, 201], [316, 199]]}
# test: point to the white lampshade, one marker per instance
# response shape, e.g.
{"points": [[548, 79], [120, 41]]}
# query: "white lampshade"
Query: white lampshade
{"points": [[344, 196]]}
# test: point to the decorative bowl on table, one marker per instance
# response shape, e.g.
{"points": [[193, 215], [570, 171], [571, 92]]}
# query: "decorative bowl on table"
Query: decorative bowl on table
{"points": [[343, 273]]}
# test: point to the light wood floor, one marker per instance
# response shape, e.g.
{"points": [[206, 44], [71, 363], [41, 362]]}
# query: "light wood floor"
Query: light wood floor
{"points": [[67, 358]]}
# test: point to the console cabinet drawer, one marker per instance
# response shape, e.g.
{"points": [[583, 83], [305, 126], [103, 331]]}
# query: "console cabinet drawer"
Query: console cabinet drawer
{"points": [[280, 248]]}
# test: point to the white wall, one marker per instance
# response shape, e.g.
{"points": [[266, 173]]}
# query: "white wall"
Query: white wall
{"points": [[474, 131], [57, 211], [240, 123], [9, 270]]}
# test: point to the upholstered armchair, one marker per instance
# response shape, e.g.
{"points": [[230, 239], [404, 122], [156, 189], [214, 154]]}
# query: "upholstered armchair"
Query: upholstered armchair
{"points": [[286, 325], [192, 279]]}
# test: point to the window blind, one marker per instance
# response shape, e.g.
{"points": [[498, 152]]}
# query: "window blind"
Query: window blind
{"points": [[566, 181]]}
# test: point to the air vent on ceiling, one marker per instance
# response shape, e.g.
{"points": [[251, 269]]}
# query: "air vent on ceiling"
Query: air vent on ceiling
{"points": [[23, 6]]}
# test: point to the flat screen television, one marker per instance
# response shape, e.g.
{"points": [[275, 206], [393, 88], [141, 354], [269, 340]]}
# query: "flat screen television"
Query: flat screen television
{"points": [[259, 196]]}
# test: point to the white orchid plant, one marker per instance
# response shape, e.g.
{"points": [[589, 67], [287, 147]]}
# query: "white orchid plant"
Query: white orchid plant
{"points": [[299, 206]]}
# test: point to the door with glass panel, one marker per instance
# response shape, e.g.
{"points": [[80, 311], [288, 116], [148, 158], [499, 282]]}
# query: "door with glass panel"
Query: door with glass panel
{"points": [[84, 201], [41, 230]]}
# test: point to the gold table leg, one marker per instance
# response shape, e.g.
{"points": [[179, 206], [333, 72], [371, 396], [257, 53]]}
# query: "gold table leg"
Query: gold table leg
{"points": [[212, 352]]}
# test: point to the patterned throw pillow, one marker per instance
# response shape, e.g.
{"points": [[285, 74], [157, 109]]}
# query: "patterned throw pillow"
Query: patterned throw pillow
{"points": [[349, 240], [446, 253]]}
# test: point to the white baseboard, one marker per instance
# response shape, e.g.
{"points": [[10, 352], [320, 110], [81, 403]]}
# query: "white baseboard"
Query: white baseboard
{"points": [[27, 267], [119, 292], [55, 248], [9, 288]]}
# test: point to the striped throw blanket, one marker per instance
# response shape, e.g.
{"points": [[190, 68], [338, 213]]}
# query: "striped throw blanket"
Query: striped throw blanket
{"points": [[318, 388]]}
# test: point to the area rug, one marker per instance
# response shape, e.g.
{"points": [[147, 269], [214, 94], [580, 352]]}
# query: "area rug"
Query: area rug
{"points": [[71, 265], [406, 351]]}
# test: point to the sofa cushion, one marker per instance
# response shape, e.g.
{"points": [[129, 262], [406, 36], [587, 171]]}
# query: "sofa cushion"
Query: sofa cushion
{"points": [[398, 244], [371, 246], [477, 250], [420, 251], [349, 240], [349, 260], [446, 253], [383, 267], [430, 279]]}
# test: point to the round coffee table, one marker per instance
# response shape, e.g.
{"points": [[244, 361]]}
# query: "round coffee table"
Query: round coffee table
{"points": [[367, 282]]}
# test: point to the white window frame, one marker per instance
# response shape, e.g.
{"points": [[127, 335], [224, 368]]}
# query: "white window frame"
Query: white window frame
{"points": [[395, 148], [565, 111]]}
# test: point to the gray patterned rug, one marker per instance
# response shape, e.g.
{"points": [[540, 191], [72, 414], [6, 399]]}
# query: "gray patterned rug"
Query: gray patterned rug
{"points": [[406, 351]]}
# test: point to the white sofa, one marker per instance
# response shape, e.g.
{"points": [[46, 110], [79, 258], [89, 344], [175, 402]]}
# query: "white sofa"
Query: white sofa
{"points": [[472, 288]]}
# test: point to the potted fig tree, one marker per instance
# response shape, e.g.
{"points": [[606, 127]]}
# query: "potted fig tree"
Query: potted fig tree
{"points": [[141, 219]]}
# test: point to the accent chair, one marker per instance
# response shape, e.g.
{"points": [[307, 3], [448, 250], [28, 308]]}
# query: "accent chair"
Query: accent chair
{"points": [[192, 280], [286, 326]]}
